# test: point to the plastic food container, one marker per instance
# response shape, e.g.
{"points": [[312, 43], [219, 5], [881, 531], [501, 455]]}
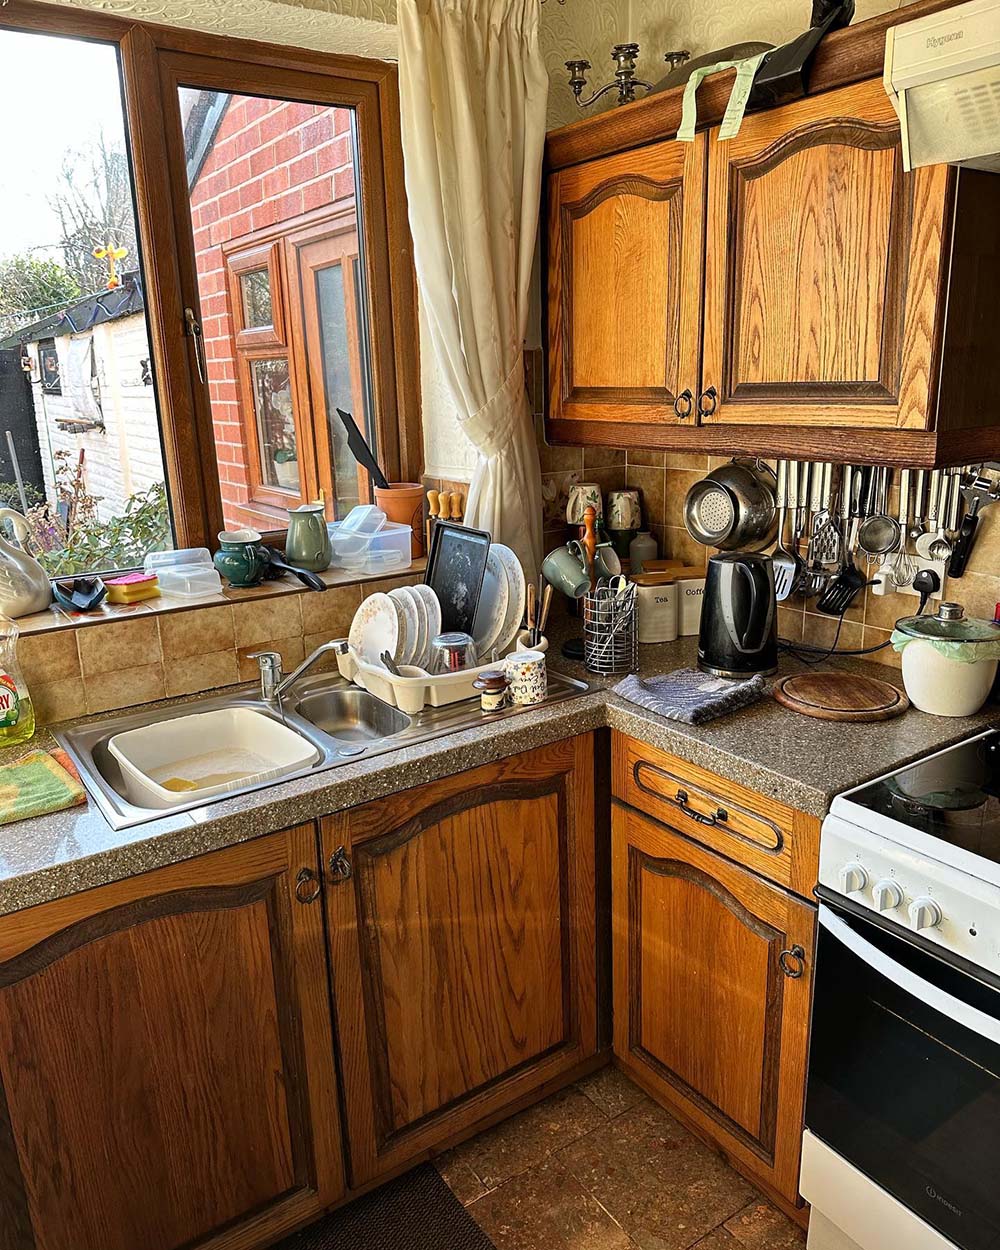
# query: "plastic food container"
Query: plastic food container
{"points": [[382, 551], [193, 757], [949, 660], [186, 574]]}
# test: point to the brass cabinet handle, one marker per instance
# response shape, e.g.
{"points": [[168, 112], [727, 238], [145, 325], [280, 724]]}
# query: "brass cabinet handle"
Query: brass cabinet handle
{"points": [[687, 399], [307, 886], [720, 816], [793, 970], [340, 865], [712, 395]]}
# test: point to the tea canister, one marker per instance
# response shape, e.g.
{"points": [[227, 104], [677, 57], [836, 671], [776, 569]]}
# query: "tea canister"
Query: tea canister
{"points": [[656, 603], [526, 673], [492, 685]]}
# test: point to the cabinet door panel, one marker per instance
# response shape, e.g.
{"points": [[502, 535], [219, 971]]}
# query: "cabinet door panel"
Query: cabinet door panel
{"points": [[704, 1013], [625, 279], [824, 260], [462, 948], [167, 1080]]}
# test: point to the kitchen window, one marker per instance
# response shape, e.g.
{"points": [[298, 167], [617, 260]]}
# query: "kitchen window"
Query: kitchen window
{"points": [[265, 258]]}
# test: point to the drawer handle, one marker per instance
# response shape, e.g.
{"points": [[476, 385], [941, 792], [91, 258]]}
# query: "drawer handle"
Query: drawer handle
{"points": [[686, 399], [712, 395], [720, 816], [340, 865], [307, 886], [793, 970]]}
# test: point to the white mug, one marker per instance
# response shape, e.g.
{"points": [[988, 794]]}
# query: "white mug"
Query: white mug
{"points": [[526, 673]]}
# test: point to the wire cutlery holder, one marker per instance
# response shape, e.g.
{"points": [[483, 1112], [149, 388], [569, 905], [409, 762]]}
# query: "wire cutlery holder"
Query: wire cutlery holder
{"points": [[610, 631]]}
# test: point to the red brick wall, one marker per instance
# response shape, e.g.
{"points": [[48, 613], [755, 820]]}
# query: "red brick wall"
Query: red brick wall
{"points": [[270, 162]]}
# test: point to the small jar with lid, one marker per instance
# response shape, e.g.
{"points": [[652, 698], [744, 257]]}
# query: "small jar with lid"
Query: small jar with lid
{"points": [[493, 686]]}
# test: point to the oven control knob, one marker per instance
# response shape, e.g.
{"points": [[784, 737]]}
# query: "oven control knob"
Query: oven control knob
{"points": [[924, 913], [853, 878], [886, 895]]}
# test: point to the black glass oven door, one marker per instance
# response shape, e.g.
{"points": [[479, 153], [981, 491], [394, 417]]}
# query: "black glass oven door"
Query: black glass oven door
{"points": [[903, 1075]]}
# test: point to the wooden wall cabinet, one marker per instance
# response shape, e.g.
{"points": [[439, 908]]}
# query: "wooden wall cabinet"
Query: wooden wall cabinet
{"points": [[840, 293], [625, 284], [712, 975], [462, 945], [166, 1075]]}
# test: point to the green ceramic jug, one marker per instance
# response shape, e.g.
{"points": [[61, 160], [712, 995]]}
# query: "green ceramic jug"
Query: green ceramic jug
{"points": [[308, 542]]}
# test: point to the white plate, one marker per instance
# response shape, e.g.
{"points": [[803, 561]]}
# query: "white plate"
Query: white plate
{"points": [[433, 605], [423, 637], [375, 628], [516, 598], [410, 633], [493, 600]]}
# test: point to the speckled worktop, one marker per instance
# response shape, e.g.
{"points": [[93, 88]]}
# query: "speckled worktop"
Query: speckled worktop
{"points": [[802, 761]]}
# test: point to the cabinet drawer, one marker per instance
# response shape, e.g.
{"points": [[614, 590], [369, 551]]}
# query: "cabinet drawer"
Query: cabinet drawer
{"points": [[765, 835]]}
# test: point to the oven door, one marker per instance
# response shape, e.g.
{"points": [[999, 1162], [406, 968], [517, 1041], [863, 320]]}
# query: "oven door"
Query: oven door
{"points": [[903, 1074]]}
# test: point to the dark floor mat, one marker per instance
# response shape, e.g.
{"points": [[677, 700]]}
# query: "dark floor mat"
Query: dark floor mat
{"points": [[415, 1212]]}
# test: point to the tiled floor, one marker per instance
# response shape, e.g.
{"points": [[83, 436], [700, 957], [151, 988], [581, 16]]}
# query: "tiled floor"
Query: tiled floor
{"points": [[599, 1166]]}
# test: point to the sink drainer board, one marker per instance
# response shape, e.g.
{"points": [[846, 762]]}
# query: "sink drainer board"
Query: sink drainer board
{"points": [[339, 723]]}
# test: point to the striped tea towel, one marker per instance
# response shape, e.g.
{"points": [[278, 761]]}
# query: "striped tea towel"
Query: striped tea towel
{"points": [[689, 695], [38, 783]]}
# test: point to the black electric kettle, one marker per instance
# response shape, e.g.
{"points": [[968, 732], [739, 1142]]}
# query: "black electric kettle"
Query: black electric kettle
{"points": [[739, 631]]}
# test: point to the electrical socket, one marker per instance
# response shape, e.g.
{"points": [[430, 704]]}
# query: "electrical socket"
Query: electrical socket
{"points": [[884, 585]]}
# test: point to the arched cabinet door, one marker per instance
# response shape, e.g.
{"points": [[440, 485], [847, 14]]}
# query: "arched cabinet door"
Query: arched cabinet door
{"points": [[166, 1064], [461, 917], [625, 286], [712, 973], [823, 267]]}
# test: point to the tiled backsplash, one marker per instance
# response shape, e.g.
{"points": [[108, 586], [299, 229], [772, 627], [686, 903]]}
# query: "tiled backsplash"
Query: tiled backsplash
{"points": [[132, 657], [665, 478]]}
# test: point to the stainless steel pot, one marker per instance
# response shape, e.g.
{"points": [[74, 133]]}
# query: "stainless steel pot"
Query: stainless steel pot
{"points": [[733, 508]]}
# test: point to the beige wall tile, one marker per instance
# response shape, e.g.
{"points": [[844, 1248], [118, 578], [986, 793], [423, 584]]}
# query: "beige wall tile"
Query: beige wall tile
{"points": [[49, 657], [602, 457], [259, 620], [677, 544], [202, 631], [646, 456], [790, 623], [888, 655], [58, 700], [200, 672], [978, 593], [330, 612], [822, 630], [290, 649], [390, 583], [124, 688], [326, 663], [678, 483], [651, 481], [122, 645]]}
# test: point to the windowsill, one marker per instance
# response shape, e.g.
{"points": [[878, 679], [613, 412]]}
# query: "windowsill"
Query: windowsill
{"points": [[58, 618]]}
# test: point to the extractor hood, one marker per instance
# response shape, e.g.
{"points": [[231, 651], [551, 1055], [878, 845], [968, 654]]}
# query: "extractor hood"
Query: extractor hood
{"points": [[942, 74]]}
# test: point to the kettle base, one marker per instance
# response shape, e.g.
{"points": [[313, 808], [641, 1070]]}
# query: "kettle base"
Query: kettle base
{"points": [[732, 674]]}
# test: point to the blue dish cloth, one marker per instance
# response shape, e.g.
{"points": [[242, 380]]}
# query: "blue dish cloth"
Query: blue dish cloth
{"points": [[691, 696]]}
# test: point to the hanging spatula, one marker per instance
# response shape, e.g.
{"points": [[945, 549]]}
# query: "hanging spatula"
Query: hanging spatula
{"points": [[360, 450]]}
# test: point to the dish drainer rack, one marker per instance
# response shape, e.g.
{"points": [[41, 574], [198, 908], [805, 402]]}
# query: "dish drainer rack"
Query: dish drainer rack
{"points": [[415, 688]]}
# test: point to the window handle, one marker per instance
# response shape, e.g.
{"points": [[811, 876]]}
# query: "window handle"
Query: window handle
{"points": [[194, 332]]}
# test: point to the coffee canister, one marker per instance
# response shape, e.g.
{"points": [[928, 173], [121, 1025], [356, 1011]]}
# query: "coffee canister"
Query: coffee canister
{"points": [[656, 603], [690, 595]]}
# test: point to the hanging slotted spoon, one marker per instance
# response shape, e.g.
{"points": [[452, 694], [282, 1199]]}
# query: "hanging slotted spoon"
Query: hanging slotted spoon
{"points": [[786, 565]]}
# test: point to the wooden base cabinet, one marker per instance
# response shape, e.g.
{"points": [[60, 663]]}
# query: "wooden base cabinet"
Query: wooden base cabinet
{"points": [[166, 1074], [461, 919], [712, 974]]}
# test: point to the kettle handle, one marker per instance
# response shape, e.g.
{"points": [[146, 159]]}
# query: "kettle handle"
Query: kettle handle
{"points": [[18, 524], [751, 572]]}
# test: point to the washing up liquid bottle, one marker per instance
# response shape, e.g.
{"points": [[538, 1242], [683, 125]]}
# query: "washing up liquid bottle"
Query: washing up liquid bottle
{"points": [[17, 716]]}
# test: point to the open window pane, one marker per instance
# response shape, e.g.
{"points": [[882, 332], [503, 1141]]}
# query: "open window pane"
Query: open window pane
{"points": [[77, 394], [277, 238]]}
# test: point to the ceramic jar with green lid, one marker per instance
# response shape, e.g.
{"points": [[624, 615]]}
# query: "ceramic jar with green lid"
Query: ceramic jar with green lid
{"points": [[949, 660]]}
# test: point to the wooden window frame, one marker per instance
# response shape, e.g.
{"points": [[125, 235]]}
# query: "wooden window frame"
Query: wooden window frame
{"points": [[155, 60], [243, 257]]}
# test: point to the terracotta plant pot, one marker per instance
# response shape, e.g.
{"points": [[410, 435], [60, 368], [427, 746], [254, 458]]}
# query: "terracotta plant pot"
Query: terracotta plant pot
{"points": [[404, 502]]}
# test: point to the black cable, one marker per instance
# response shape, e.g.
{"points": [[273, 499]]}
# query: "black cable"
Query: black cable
{"points": [[807, 653]]}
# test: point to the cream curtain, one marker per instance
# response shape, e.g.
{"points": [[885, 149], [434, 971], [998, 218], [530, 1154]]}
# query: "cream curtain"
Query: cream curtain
{"points": [[473, 93]]}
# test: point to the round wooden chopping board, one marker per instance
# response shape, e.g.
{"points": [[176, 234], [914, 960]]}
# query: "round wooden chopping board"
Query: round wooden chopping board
{"points": [[841, 696]]}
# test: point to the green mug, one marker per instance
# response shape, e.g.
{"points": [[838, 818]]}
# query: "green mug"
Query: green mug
{"points": [[566, 569], [238, 558]]}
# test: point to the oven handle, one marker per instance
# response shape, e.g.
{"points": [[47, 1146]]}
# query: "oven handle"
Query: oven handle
{"points": [[947, 1004]]}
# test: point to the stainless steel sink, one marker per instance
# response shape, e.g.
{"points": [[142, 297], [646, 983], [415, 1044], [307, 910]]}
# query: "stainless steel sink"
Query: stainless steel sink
{"points": [[348, 713], [340, 720]]}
